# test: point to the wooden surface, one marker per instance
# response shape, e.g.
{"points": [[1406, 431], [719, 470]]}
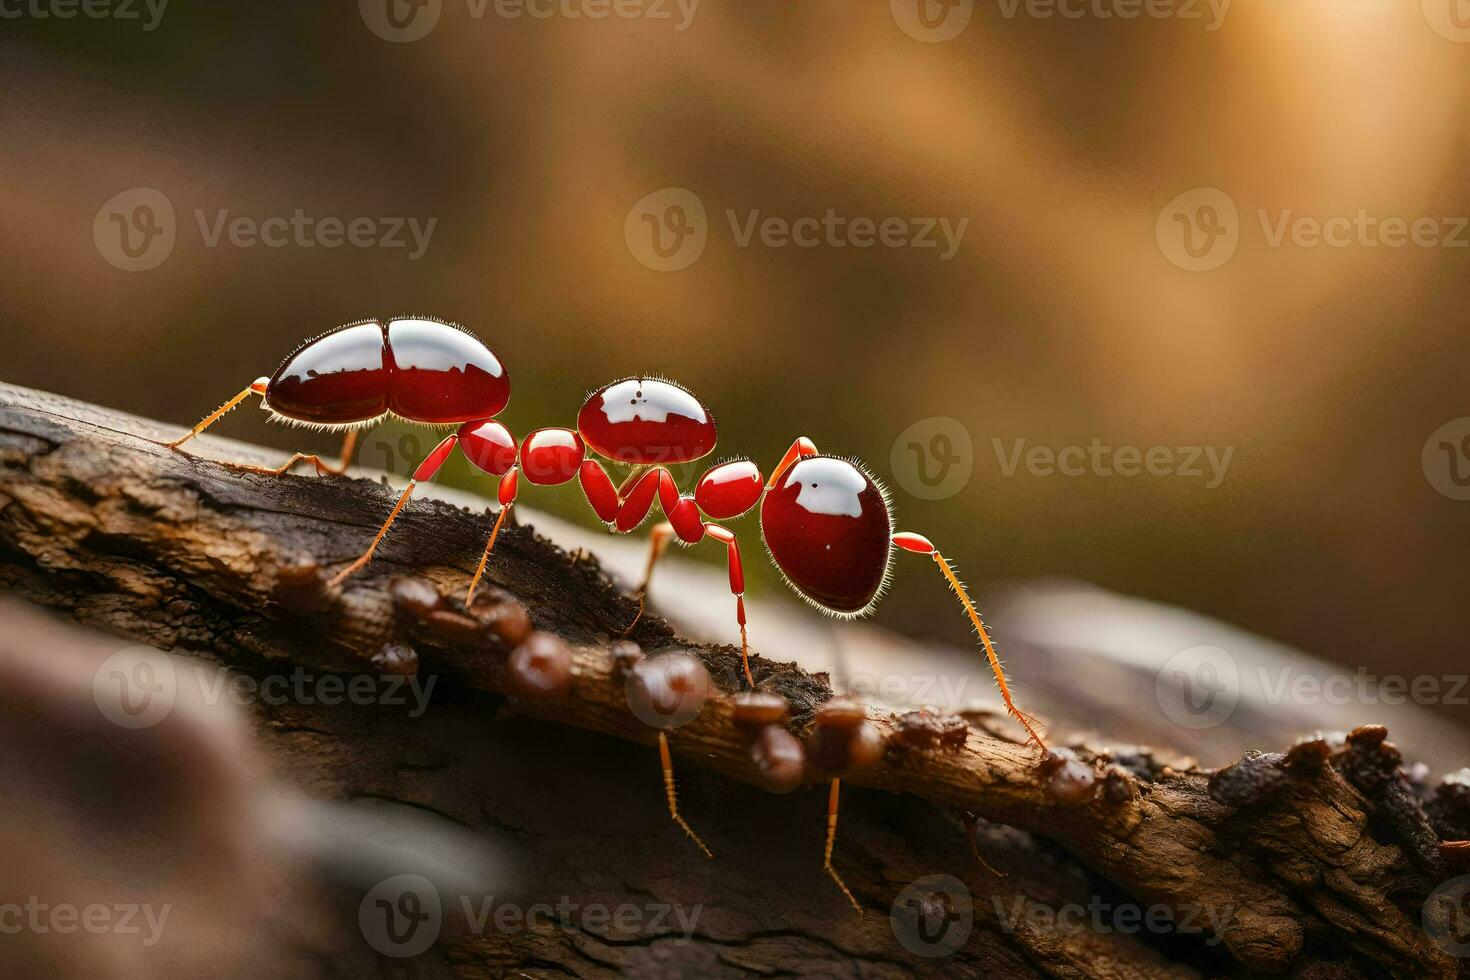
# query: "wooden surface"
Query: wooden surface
{"points": [[1325, 869]]}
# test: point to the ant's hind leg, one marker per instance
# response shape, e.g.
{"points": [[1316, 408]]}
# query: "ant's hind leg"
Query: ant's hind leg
{"points": [[257, 387], [426, 471]]}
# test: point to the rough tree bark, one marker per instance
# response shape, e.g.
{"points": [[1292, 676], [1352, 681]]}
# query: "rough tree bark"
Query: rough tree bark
{"points": [[1314, 863]]}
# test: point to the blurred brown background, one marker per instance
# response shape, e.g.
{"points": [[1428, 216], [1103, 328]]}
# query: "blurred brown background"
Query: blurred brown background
{"points": [[1059, 320]]}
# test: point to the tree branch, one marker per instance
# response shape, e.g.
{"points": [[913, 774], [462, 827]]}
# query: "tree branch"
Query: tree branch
{"points": [[1284, 860]]}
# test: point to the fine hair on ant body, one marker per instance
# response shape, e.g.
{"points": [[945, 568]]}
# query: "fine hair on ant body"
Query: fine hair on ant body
{"points": [[826, 521]]}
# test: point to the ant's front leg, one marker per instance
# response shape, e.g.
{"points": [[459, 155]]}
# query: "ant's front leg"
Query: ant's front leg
{"points": [[726, 491], [800, 449], [920, 545], [662, 533], [658, 540], [683, 520], [506, 494], [737, 589]]}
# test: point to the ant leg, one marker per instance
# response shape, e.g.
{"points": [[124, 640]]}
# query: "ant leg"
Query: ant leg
{"points": [[737, 589], [349, 449], [257, 387], [683, 520], [349, 445], [972, 827], [668, 767], [506, 493], [635, 504], [918, 544], [832, 839], [598, 487], [658, 540], [426, 471], [800, 449]]}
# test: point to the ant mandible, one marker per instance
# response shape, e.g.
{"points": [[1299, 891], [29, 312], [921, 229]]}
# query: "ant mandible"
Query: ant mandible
{"points": [[826, 521]]}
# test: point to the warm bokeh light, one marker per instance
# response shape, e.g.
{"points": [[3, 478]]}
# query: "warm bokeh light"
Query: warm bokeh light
{"points": [[1059, 319]]}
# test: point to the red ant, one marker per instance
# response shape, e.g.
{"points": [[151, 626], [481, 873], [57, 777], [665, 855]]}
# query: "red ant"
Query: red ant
{"points": [[826, 521]]}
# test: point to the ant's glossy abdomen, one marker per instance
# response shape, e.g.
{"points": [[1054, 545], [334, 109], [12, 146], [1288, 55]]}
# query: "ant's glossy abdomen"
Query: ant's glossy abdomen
{"points": [[419, 369], [338, 378], [827, 525]]}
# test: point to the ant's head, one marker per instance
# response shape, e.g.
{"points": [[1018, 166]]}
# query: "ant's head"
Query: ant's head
{"points": [[646, 421]]}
